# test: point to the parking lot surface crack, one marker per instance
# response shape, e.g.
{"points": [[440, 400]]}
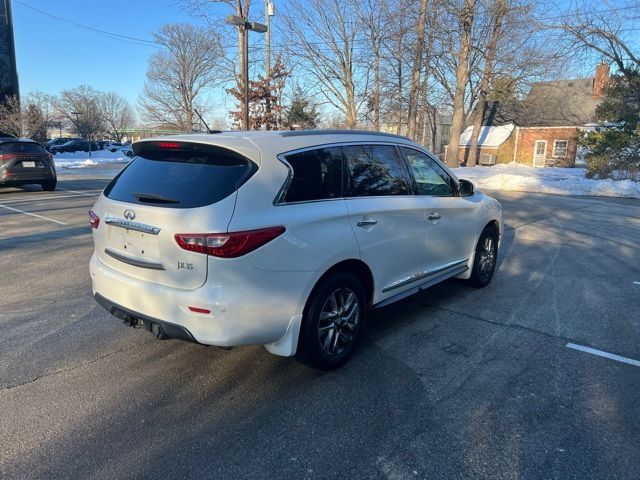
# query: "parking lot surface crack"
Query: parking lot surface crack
{"points": [[555, 214], [73, 367], [500, 324]]}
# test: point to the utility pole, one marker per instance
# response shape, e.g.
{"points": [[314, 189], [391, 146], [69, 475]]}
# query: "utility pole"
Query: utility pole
{"points": [[269, 11], [244, 27]]}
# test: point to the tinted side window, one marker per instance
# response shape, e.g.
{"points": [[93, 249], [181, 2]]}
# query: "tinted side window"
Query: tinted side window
{"points": [[317, 175], [431, 178], [375, 170]]}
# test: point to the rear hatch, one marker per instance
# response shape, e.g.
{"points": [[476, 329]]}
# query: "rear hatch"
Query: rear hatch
{"points": [[169, 188]]}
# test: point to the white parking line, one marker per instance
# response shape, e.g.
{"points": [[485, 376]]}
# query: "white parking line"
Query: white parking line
{"points": [[37, 199], [608, 355], [33, 215], [98, 190]]}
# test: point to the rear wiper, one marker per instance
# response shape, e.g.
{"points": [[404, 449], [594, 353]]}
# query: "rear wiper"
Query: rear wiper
{"points": [[153, 198]]}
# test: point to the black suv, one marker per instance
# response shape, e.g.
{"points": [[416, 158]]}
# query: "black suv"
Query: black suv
{"points": [[74, 146], [58, 141], [23, 162]]}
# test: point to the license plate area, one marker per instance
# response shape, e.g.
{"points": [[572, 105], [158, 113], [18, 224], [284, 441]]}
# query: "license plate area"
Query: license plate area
{"points": [[28, 164], [134, 244]]}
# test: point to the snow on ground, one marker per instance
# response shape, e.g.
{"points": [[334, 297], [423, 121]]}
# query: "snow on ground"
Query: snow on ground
{"points": [[562, 181], [82, 160]]}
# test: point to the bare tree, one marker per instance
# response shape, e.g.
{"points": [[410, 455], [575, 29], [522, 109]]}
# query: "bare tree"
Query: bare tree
{"points": [[180, 73], [462, 78], [11, 117], [42, 107], [80, 107], [374, 15], [116, 113], [30, 118], [323, 35], [395, 66], [425, 116], [415, 75], [605, 29], [492, 46]]}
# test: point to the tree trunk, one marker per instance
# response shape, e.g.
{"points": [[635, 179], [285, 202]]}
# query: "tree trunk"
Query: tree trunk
{"points": [[424, 93], [400, 82], [352, 111], [376, 86], [462, 77], [484, 82], [415, 74]]}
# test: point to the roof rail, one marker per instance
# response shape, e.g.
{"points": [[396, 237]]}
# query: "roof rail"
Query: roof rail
{"points": [[302, 133]]}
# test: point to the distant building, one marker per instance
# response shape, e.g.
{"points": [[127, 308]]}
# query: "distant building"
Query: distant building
{"points": [[540, 130], [8, 72], [442, 134]]}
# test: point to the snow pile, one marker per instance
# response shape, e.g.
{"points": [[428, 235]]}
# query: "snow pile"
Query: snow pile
{"points": [[489, 136], [82, 160], [561, 181]]}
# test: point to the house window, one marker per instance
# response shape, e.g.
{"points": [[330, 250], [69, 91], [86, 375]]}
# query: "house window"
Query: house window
{"points": [[560, 148]]}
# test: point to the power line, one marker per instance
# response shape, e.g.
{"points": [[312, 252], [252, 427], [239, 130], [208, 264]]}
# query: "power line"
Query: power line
{"points": [[115, 36]]}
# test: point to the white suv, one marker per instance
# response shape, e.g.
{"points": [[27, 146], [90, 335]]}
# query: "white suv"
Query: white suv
{"points": [[284, 239]]}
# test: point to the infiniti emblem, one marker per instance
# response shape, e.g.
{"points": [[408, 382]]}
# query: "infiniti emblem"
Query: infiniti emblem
{"points": [[129, 214]]}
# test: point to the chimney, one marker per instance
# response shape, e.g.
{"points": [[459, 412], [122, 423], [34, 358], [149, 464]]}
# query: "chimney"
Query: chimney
{"points": [[601, 79]]}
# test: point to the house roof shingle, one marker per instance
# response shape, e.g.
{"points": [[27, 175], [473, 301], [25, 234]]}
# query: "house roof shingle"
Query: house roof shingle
{"points": [[548, 104]]}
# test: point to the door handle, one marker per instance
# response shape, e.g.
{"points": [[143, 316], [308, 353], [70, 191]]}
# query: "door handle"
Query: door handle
{"points": [[434, 216], [367, 223]]}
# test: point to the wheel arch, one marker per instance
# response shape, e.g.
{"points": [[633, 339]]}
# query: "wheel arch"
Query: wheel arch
{"points": [[353, 265], [288, 344], [495, 225]]}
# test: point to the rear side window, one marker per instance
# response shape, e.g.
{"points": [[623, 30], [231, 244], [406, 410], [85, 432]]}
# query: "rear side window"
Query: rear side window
{"points": [[21, 147], [180, 175], [375, 170], [317, 175]]}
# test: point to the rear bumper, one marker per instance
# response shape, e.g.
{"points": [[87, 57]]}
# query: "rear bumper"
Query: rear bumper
{"points": [[248, 306], [9, 179], [170, 329]]}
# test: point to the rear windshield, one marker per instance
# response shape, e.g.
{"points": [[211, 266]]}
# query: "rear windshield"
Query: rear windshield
{"points": [[21, 147], [179, 175]]}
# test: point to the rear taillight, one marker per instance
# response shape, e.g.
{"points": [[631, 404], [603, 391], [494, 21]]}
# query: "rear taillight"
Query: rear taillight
{"points": [[228, 245], [5, 158], [94, 219]]}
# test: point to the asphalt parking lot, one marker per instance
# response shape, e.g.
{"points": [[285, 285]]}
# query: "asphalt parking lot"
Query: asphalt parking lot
{"points": [[451, 383]]}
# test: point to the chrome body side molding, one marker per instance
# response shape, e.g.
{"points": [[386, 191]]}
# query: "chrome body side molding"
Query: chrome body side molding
{"points": [[435, 278], [134, 261], [426, 274]]}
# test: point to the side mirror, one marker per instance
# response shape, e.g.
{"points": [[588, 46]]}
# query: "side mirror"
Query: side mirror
{"points": [[466, 188]]}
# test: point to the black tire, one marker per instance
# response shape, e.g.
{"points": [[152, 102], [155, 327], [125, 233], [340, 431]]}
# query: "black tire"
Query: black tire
{"points": [[49, 186], [327, 343], [486, 257]]}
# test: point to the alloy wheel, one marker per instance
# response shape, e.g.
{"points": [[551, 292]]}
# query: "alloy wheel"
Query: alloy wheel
{"points": [[338, 321], [487, 260]]}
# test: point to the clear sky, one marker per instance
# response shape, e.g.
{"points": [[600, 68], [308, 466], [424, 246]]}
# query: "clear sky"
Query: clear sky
{"points": [[53, 55]]}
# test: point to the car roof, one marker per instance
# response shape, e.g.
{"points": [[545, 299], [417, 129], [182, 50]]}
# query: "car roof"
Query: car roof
{"points": [[274, 142], [16, 140]]}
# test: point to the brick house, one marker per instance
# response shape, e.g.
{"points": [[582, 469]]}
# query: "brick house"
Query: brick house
{"points": [[545, 123]]}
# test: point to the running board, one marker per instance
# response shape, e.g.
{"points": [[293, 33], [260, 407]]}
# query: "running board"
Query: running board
{"points": [[423, 286]]}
